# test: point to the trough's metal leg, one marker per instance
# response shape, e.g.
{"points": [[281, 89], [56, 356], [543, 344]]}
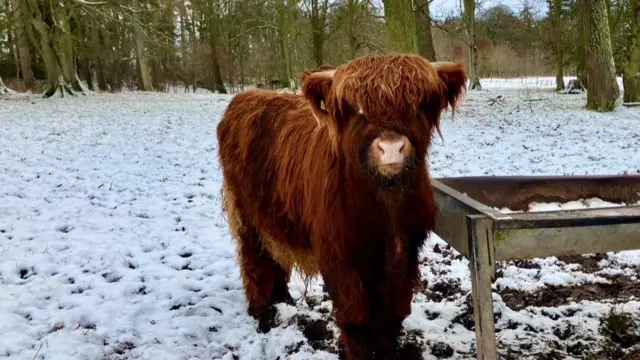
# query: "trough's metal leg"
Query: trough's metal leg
{"points": [[482, 275]]}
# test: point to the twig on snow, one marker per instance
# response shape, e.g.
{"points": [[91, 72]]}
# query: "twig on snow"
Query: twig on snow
{"points": [[496, 100], [38, 352]]}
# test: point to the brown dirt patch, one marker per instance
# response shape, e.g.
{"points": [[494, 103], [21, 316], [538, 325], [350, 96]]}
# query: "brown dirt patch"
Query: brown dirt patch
{"points": [[620, 289], [317, 332], [589, 263]]}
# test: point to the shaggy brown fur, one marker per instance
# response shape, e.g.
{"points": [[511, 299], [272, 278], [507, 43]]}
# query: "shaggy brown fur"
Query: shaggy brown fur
{"points": [[307, 186]]}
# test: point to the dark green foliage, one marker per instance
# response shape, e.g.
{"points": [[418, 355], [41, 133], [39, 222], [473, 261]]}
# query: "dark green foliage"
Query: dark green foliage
{"points": [[252, 48]]}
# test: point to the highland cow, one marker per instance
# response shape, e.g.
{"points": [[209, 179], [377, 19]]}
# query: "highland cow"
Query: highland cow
{"points": [[335, 182]]}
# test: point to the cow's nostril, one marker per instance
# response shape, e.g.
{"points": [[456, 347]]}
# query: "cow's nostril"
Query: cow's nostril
{"points": [[391, 146]]}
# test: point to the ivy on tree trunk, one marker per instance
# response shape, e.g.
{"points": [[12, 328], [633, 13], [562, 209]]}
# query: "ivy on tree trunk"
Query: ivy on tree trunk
{"points": [[631, 73], [401, 27], [602, 88]]}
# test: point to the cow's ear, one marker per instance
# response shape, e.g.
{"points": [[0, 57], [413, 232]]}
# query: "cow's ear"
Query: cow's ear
{"points": [[316, 88], [305, 74], [454, 78]]}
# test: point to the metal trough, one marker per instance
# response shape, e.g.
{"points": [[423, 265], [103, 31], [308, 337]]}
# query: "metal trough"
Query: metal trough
{"points": [[469, 222]]}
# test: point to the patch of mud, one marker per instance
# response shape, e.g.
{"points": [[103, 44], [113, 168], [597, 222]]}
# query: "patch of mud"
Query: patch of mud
{"points": [[441, 350], [466, 317], [411, 345], [588, 263], [620, 289], [444, 290], [317, 332]]}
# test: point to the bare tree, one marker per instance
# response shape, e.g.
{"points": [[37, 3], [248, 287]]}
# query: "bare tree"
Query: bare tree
{"points": [[213, 45], [53, 38], [470, 30], [317, 10], [22, 26], [96, 46], [602, 90], [581, 55], [555, 14], [143, 64]]}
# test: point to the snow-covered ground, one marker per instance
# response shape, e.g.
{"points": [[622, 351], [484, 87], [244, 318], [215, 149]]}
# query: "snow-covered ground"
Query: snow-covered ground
{"points": [[113, 245]]}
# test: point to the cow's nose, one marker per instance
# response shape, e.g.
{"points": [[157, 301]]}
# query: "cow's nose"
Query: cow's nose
{"points": [[391, 147], [392, 150]]}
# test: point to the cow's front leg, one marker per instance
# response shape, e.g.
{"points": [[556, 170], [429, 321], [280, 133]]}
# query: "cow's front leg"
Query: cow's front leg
{"points": [[351, 310], [393, 303]]}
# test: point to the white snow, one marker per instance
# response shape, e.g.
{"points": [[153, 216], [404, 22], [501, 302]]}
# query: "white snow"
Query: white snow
{"points": [[113, 246], [577, 204]]}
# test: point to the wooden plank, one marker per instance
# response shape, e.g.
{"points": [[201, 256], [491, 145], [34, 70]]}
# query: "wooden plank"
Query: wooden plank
{"points": [[451, 224], [572, 218], [481, 263], [531, 243], [451, 221]]}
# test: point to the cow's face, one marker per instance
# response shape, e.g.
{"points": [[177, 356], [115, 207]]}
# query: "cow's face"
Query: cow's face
{"points": [[381, 111]]}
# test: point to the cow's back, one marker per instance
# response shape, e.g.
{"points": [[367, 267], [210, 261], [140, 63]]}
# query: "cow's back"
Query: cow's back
{"points": [[249, 136]]}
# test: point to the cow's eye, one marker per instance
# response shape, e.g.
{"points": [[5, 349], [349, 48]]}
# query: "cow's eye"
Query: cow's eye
{"points": [[357, 109]]}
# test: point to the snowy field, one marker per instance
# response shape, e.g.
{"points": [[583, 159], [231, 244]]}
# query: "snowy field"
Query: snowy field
{"points": [[113, 245]]}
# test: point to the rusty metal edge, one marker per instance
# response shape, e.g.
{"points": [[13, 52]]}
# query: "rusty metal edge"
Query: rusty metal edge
{"points": [[466, 202], [516, 192]]}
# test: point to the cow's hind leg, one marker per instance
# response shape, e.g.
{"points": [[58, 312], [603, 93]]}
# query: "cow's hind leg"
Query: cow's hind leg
{"points": [[264, 280]]}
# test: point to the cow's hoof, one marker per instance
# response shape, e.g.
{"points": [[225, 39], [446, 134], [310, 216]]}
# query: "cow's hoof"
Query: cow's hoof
{"points": [[287, 299], [387, 355], [267, 319], [282, 297]]}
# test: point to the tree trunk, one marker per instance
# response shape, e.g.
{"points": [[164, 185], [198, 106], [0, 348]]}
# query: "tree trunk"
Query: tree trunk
{"points": [[602, 90], [285, 31], [83, 51], [184, 47], [43, 23], [555, 13], [631, 74], [318, 16], [470, 27], [21, 21], [352, 34], [241, 63], [218, 83], [581, 66], [401, 27], [84, 68], [422, 17], [145, 71], [64, 49], [96, 54]]}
